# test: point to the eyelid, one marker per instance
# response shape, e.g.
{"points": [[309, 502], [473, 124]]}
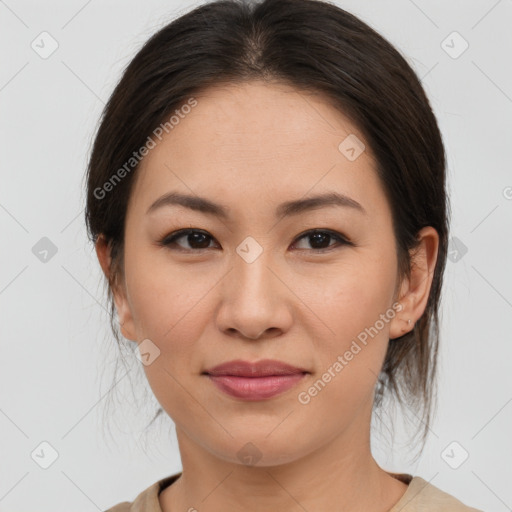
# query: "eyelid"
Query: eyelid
{"points": [[179, 233], [339, 237]]}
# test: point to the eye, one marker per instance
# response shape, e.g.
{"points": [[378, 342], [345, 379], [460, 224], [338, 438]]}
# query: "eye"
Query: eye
{"points": [[197, 239], [200, 240], [319, 237]]}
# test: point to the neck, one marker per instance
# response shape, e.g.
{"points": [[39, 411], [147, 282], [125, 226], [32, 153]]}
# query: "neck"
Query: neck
{"points": [[341, 476]]}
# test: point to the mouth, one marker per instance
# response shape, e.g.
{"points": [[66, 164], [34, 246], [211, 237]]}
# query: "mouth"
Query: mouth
{"points": [[255, 381]]}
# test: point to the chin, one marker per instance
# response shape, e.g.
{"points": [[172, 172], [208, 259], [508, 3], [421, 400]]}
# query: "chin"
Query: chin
{"points": [[260, 448]]}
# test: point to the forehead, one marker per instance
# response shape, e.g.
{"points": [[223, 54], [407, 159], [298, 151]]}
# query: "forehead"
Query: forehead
{"points": [[260, 117], [263, 140]]}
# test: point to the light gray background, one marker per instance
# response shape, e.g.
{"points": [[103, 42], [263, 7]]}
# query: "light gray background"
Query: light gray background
{"points": [[57, 353]]}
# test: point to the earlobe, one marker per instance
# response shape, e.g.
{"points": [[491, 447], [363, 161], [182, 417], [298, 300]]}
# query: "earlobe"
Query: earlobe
{"points": [[415, 290], [103, 253], [124, 315]]}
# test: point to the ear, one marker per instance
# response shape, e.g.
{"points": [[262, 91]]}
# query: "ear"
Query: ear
{"points": [[415, 290], [103, 249]]}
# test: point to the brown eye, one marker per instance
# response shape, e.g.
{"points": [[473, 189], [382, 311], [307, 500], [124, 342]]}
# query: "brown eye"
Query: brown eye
{"points": [[196, 239], [320, 239]]}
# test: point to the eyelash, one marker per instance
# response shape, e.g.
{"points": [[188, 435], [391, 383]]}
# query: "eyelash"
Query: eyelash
{"points": [[170, 239]]}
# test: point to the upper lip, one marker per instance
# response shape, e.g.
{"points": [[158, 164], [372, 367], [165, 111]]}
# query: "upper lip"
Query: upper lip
{"points": [[262, 368]]}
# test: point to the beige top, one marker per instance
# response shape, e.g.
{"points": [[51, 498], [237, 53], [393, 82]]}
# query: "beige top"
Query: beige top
{"points": [[420, 496]]}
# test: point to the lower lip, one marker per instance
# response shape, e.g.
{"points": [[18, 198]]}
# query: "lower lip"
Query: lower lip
{"points": [[255, 388]]}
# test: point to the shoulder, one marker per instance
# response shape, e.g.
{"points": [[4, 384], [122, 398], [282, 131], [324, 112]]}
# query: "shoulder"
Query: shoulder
{"points": [[121, 507], [147, 500], [422, 495]]}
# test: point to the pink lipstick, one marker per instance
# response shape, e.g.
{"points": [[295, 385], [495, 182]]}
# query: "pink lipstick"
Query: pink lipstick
{"points": [[255, 381]]}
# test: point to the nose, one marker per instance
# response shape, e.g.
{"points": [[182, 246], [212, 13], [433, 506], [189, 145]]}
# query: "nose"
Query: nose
{"points": [[255, 300]]}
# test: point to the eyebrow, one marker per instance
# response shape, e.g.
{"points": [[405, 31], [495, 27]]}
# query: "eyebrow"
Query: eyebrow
{"points": [[285, 209]]}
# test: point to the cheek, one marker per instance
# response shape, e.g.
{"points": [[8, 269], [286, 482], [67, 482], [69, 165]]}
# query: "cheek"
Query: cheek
{"points": [[351, 359], [165, 300], [168, 308], [357, 296], [357, 308]]}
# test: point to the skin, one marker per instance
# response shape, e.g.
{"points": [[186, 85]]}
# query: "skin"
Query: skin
{"points": [[251, 147]]}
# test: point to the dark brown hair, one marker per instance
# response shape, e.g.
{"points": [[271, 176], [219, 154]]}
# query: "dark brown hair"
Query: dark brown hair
{"points": [[313, 46]]}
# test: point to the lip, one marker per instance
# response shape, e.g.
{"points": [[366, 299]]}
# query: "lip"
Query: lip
{"points": [[255, 381], [263, 368]]}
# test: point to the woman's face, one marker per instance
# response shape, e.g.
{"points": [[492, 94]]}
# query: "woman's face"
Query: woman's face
{"points": [[253, 284]]}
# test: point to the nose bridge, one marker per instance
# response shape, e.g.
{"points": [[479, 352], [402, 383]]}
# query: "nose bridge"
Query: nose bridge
{"points": [[252, 296], [253, 279]]}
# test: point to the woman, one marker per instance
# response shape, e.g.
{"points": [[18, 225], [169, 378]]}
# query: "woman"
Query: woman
{"points": [[266, 195]]}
